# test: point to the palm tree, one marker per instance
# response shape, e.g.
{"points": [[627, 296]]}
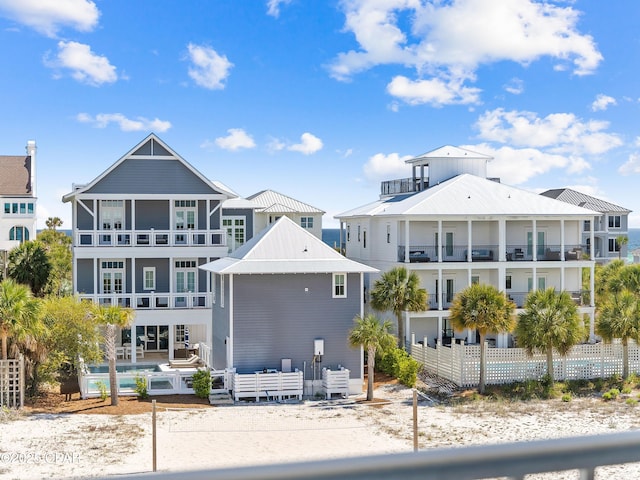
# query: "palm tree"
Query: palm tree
{"points": [[53, 222], [399, 291], [29, 264], [372, 335], [112, 318], [621, 240], [18, 312], [484, 308], [549, 320], [620, 318]]}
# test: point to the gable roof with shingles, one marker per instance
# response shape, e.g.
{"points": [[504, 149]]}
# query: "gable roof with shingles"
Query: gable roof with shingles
{"points": [[583, 200], [285, 247], [151, 146], [15, 175], [274, 202], [469, 195]]}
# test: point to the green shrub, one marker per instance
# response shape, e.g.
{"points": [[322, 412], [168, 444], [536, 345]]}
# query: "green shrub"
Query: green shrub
{"points": [[626, 390], [632, 402], [202, 383], [102, 387], [611, 394], [399, 364], [566, 397], [141, 387]]}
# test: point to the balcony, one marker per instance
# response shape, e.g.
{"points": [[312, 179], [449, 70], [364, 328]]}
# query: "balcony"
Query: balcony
{"points": [[490, 253], [403, 185], [152, 301], [150, 238]]}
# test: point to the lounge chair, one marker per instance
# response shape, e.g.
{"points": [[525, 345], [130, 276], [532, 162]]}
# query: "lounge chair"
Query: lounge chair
{"points": [[192, 361]]}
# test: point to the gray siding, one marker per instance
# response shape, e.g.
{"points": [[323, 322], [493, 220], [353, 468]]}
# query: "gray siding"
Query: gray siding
{"points": [[85, 220], [84, 276], [152, 214], [247, 213], [150, 176], [275, 318], [162, 274], [220, 325], [215, 217]]}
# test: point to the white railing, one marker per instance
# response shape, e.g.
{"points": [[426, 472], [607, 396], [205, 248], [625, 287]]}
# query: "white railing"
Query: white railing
{"points": [[12, 382], [158, 383], [152, 301], [149, 238], [204, 352], [275, 385], [461, 363], [335, 381]]}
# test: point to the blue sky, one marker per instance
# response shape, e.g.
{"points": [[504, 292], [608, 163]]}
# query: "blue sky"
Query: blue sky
{"points": [[320, 100]]}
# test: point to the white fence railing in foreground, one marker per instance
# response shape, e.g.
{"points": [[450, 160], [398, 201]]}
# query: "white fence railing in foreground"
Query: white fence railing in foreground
{"points": [[461, 363], [12, 382], [335, 381], [512, 460], [276, 385]]}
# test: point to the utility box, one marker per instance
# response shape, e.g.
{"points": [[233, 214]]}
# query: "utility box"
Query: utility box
{"points": [[285, 364], [318, 346]]}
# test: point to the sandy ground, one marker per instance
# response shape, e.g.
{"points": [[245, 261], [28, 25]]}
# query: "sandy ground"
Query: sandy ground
{"points": [[85, 445]]}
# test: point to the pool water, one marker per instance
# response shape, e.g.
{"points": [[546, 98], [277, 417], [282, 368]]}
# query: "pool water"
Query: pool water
{"points": [[126, 368]]}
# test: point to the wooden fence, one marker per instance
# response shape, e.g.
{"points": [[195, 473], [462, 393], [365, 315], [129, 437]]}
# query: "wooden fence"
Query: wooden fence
{"points": [[461, 363], [12, 383]]}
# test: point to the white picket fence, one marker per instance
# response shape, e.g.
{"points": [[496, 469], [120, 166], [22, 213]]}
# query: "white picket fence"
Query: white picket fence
{"points": [[335, 381], [12, 383], [461, 363], [269, 385]]}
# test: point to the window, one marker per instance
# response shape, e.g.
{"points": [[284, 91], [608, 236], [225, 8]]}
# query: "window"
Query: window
{"points": [[30, 208], [587, 225], [388, 233], [7, 208], [149, 274], [507, 282], [475, 280], [614, 221], [185, 280], [235, 232], [306, 222], [613, 245], [19, 233], [112, 276], [542, 283], [358, 233], [348, 232], [339, 285], [111, 214], [364, 239], [185, 214], [179, 333]]}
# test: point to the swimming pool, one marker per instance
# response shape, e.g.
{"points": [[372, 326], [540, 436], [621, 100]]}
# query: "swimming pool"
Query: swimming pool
{"points": [[126, 368]]}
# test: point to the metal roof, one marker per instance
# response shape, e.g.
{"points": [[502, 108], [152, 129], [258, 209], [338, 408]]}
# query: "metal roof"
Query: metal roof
{"points": [[285, 247], [448, 151], [582, 200], [469, 195], [275, 202]]}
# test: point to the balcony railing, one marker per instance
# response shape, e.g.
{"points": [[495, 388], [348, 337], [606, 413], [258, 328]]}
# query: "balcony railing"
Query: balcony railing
{"points": [[149, 238], [152, 301], [490, 253], [580, 297], [403, 185]]}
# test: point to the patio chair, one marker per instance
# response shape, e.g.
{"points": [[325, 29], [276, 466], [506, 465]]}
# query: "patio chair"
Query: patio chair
{"points": [[192, 361]]}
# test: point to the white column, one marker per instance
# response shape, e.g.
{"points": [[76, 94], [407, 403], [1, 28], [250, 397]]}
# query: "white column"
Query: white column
{"points": [[469, 243], [133, 344], [440, 289], [534, 240], [172, 340], [439, 338], [502, 240], [407, 240], [562, 249], [592, 240], [439, 245]]}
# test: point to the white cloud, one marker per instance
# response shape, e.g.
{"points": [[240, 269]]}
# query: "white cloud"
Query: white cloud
{"points": [[602, 102], [236, 140], [445, 42], [386, 167], [102, 120], [434, 91], [275, 145], [631, 166], [273, 7], [48, 17], [309, 144], [86, 66], [209, 69], [515, 86], [558, 132]]}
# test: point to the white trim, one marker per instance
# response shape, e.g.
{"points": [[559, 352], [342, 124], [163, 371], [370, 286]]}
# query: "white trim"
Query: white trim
{"points": [[152, 270], [334, 284]]}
